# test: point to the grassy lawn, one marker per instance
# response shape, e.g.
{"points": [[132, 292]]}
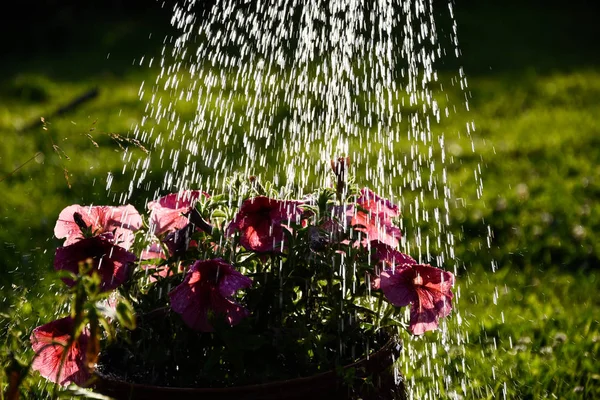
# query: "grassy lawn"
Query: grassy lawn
{"points": [[531, 329]]}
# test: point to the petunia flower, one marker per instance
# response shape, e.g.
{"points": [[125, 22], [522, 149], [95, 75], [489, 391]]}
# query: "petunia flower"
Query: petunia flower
{"points": [[111, 262], [207, 288], [261, 222], [376, 219], [168, 213], [427, 289], [49, 341], [379, 206], [387, 255], [121, 221]]}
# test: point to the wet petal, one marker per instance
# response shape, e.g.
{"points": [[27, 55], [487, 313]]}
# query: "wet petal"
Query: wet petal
{"points": [[120, 221], [398, 287], [49, 341], [422, 320], [123, 221], [261, 220], [376, 205], [388, 254], [206, 289], [190, 305], [110, 261], [232, 282], [167, 213], [66, 228], [438, 284], [233, 312], [376, 228]]}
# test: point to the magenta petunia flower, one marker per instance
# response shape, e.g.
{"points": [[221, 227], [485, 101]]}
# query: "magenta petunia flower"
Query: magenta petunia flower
{"points": [[383, 253], [376, 219], [49, 341], [111, 262], [426, 288], [121, 221], [208, 287], [379, 206], [261, 222], [168, 213]]}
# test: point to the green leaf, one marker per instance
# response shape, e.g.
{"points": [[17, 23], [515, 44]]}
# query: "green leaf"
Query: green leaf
{"points": [[218, 214], [64, 274], [126, 314]]}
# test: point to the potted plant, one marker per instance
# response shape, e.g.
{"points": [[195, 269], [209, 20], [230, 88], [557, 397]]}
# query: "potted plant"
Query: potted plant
{"points": [[248, 293]]}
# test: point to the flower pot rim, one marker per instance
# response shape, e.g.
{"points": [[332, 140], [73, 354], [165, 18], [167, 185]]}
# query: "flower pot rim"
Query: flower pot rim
{"points": [[381, 359]]}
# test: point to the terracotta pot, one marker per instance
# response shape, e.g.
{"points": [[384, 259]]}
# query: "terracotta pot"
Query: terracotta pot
{"points": [[373, 380]]}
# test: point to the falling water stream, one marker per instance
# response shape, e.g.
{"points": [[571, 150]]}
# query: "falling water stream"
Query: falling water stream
{"points": [[277, 88]]}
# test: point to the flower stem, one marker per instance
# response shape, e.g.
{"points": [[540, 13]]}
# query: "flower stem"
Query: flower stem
{"points": [[379, 305]]}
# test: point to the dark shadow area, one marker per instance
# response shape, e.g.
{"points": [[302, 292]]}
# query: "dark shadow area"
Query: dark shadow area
{"points": [[494, 36], [533, 36], [68, 40]]}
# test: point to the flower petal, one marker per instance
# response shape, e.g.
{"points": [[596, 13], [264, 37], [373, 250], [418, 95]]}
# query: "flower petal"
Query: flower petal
{"points": [[388, 254], [123, 221], [66, 228], [49, 341], [206, 289], [377, 205], [112, 262], [232, 282], [422, 319], [166, 213], [397, 285], [191, 305], [261, 222], [374, 230], [438, 284], [233, 312], [120, 221]]}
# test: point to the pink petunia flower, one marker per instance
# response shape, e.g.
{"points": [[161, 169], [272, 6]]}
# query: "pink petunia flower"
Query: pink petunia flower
{"points": [[426, 288], [111, 262], [376, 220], [168, 213], [261, 222], [379, 206], [208, 287], [387, 255], [121, 221], [49, 341]]}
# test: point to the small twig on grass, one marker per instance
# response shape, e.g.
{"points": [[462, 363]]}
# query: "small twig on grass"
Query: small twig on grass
{"points": [[58, 151], [121, 140], [21, 166]]}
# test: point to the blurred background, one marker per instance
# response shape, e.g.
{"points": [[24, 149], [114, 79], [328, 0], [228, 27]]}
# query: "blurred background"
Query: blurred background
{"points": [[533, 69]]}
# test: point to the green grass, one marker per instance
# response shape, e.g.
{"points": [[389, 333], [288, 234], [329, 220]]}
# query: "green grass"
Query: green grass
{"points": [[530, 334], [532, 326]]}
